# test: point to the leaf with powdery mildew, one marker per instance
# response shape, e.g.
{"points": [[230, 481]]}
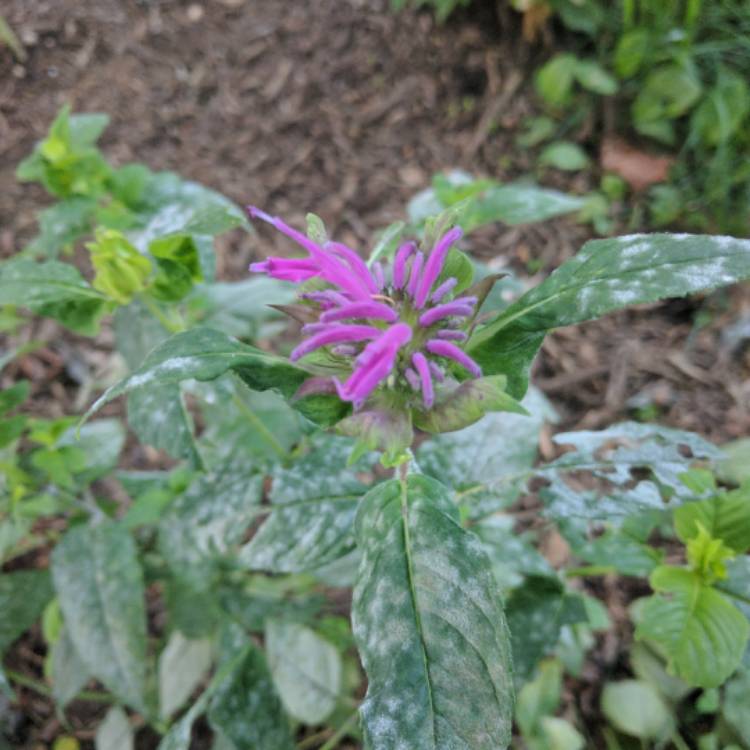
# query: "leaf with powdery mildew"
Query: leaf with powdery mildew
{"points": [[211, 517], [99, 583], [606, 275], [311, 517], [205, 354], [429, 625]]}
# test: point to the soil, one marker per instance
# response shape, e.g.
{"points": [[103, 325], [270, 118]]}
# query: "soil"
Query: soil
{"points": [[342, 108]]}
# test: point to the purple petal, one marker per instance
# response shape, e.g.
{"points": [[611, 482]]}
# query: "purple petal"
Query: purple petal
{"points": [[357, 265], [287, 269], [434, 264], [340, 334], [412, 378], [443, 289], [448, 335], [420, 363], [437, 371], [330, 268], [451, 351], [376, 310], [416, 270], [449, 309], [399, 264], [376, 365], [326, 298]]}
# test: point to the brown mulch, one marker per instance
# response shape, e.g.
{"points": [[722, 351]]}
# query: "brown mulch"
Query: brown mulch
{"points": [[341, 108]]}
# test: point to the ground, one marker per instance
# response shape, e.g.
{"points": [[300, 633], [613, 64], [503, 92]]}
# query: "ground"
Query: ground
{"points": [[345, 109]]}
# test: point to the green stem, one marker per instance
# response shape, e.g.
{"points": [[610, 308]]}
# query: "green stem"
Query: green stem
{"points": [[156, 311], [42, 689], [267, 435], [340, 732]]}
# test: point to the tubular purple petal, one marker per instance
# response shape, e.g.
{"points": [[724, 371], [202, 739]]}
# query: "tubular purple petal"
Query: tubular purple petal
{"points": [[434, 264], [341, 334], [376, 310], [275, 221], [287, 269], [437, 371], [448, 335], [420, 363], [450, 309], [416, 270], [443, 289], [412, 378], [326, 298], [375, 364], [451, 351], [399, 264], [357, 265], [379, 276]]}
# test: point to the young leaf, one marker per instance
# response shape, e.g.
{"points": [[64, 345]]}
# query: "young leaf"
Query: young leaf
{"points": [[426, 612], [311, 518], [703, 634], [725, 516], [205, 354], [606, 275], [306, 670], [23, 596], [564, 155], [100, 586]]}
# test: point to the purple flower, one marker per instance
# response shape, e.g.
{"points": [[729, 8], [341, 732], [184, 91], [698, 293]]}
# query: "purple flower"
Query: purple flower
{"points": [[396, 334]]}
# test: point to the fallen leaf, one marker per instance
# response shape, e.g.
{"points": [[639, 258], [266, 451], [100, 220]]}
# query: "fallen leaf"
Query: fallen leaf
{"points": [[640, 169]]}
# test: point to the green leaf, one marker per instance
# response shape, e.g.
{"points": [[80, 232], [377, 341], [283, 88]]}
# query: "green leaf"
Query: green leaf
{"points": [[306, 670], [606, 275], [725, 516], [115, 732], [722, 112], [669, 92], [311, 517], [99, 444], [487, 470], [241, 308], [210, 518], [564, 155], [554, 80], [100, 586], [736, 699], [23, 596], [593, 77], [159, 417], [561, 735], [702, 633], [483, 202], [735, 466], [536, 613], [632, 50], [179, 266], [539, 697], [426, 609], [13, 397], [635, 708], [205, 354], [467, 404], [61, 225], [245, 706], [53, 289], [182, 665]]}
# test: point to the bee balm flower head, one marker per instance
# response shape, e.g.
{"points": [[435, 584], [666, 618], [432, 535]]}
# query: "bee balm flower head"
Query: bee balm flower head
{"points": [[396, 328]]}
